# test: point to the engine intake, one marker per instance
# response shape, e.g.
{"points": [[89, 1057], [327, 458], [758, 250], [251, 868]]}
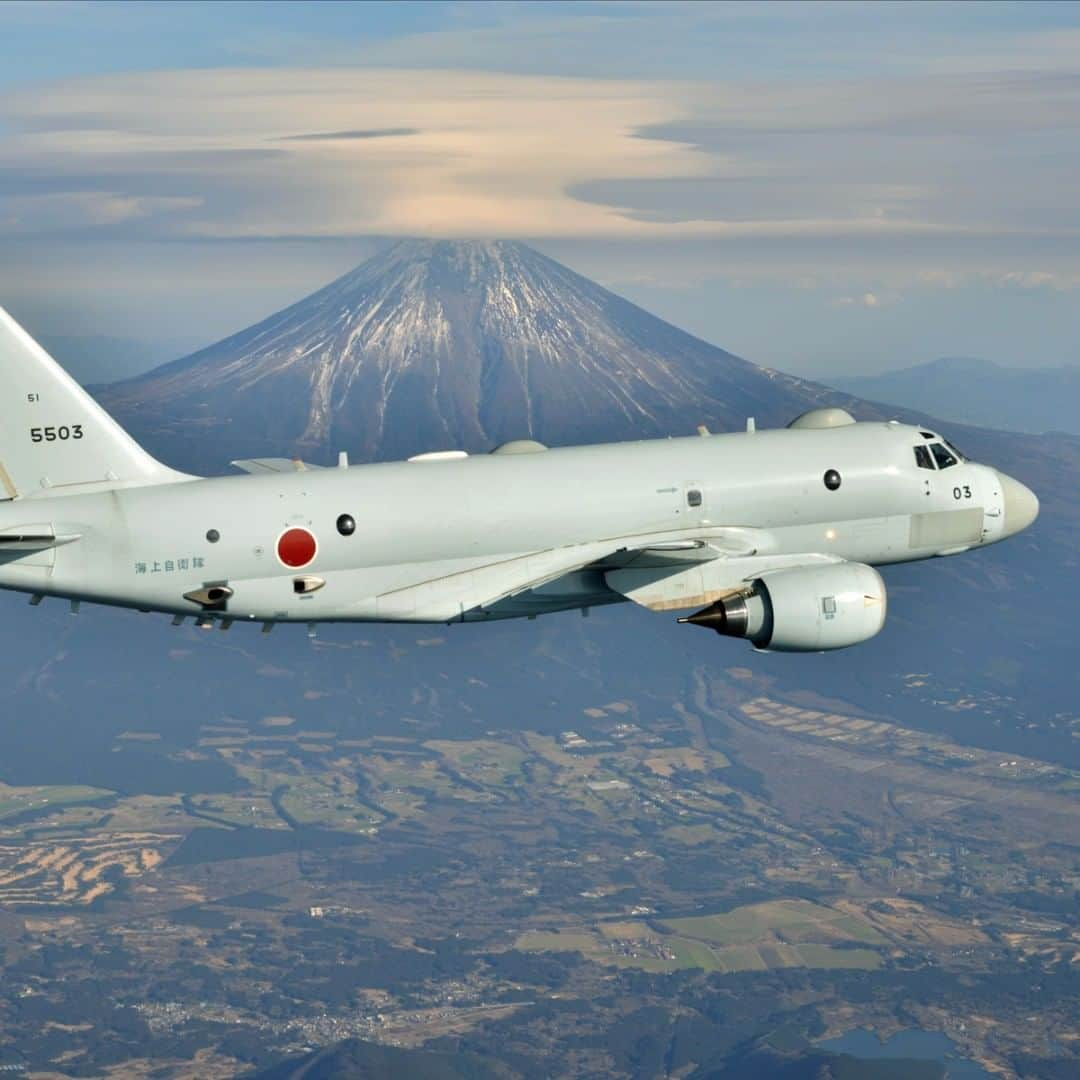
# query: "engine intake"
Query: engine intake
{"points": [[805, 609]]}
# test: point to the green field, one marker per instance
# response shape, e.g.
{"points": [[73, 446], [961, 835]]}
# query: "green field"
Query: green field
{"points": [[309, 802], [691, 949], [14, 801], [241, 810], [541, 941], [482, 760], [692, 954], [784, 921], [821, 956]]}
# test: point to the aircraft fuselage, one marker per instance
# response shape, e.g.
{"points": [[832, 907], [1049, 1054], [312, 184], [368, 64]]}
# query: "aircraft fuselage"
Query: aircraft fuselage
{"points": [[431, 535]]}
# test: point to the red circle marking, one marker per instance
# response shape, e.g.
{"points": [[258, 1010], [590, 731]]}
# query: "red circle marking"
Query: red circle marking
{"points": [[297, 548]]}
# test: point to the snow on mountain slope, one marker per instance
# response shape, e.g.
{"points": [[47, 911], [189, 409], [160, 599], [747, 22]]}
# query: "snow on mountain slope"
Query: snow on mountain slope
{"points": [[440, 344]]}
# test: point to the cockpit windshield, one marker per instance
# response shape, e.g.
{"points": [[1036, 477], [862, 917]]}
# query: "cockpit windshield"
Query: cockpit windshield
{"points": [[956, 453], [922, 458], [942, 456]]}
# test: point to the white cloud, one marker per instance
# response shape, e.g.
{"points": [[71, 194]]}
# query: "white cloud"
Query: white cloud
{"points": [[65, 210], [1007, 279], [868, 299], [902, 182], [938, 278], [251, 153], [1039, 279], [471, 153]]}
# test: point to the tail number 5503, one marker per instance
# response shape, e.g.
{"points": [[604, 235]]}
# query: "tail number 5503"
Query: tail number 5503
{"points": [[56, 434]]}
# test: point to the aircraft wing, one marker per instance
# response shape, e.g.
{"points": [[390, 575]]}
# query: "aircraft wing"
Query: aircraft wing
{"points": [[627, 565], [681, 553], [665, 577]]}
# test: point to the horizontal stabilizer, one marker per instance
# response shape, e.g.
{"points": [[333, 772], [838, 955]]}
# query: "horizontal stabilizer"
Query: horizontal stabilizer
{"points": [[33, 538]]}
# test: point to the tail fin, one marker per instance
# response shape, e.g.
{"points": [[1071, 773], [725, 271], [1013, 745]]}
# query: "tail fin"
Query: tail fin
{"points": [[53, 434]]}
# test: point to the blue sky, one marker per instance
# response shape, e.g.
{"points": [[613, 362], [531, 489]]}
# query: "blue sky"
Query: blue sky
{"points": [[838, 186]]}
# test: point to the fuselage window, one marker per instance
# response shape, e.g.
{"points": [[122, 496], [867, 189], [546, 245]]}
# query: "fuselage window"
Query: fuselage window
{"points": [[693, 497], [922, 458], [942, 456]]}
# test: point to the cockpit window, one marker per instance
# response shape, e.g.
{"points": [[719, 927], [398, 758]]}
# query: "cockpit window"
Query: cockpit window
{"points": [[956, 453], [922, 458], [942, 456]]}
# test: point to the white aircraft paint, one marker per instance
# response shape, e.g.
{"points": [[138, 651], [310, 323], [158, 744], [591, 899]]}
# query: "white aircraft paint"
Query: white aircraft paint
{"points": [[753, 518]]}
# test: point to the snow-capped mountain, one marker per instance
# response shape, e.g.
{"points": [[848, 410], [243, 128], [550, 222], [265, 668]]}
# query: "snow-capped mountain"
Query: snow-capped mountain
{"points": [[441, 345]]}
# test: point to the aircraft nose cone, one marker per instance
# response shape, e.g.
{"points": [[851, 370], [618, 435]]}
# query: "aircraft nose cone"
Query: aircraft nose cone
{"points": [[1021, 505]]}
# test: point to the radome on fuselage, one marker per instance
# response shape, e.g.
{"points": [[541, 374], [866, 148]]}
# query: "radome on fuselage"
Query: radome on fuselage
{"points": [[773, 534]]}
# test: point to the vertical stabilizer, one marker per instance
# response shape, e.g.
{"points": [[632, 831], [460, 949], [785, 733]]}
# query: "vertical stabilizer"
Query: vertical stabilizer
{"points": [[53, 435]]}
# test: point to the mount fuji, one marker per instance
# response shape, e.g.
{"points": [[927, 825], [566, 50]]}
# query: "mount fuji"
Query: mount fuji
{"points": [[436, 345]]}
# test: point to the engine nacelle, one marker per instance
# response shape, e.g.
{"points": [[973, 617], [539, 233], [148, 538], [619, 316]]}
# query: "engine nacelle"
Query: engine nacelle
{"points": [[805, 609]]}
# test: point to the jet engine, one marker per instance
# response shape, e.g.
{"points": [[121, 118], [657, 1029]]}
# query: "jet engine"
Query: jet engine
{"points": [[804, 609]]}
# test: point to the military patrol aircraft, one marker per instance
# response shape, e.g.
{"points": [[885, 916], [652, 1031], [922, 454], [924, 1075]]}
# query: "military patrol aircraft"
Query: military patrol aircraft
{"points": [[772, 534]]}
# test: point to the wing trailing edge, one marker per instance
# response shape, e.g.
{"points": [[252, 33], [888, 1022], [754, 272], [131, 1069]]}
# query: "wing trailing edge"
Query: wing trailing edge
{"points": [[472, 591]]}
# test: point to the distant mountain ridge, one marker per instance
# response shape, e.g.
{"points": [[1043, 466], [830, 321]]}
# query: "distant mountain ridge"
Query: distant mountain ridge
{"points": [[444, 345], [975, 391]]}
